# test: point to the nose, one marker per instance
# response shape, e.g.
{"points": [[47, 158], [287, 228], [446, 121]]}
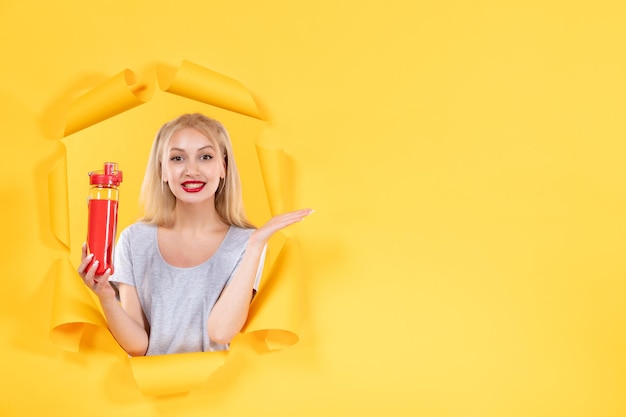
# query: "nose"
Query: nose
{"points": [[191, 168]]}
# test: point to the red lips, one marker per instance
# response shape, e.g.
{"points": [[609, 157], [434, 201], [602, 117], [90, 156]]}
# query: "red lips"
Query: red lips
{"points": [[193, 186]]}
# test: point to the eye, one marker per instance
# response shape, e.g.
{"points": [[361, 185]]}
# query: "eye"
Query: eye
{"points": [[176, 158], [206, 157]]}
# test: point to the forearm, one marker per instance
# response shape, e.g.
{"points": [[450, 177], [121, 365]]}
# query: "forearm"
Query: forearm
{"points": [[130, 335], [230, 312]]}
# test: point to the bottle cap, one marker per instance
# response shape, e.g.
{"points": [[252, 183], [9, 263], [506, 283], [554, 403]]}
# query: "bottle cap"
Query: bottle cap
{"points": [[109, 176]]}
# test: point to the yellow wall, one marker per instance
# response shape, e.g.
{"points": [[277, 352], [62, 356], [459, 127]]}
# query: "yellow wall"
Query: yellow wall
{"points": [[465, 160]]}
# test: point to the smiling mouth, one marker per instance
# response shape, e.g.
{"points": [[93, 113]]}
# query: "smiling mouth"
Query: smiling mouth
{"points": [[193, 186]]}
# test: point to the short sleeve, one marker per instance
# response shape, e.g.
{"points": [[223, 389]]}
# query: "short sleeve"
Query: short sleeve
{"points": [[122, 261]]}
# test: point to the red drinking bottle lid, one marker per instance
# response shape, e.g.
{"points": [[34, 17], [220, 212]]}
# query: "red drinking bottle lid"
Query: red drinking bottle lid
{"points": [[109, 176]]}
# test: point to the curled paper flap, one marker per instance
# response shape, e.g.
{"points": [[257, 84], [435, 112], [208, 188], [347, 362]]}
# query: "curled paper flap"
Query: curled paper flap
{"points": [[57, 195], [276, 310], [274, 315], [210, 87], [110, 98], [72, 308], [274, 168], [175, 374]]}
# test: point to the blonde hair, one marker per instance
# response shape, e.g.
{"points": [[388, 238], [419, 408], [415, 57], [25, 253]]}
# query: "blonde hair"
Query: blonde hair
{"points": [[157, 199]]}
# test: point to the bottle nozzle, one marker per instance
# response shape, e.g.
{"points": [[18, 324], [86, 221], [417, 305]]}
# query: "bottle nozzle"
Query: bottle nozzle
{"points": [[109, 176], [110, 168]]}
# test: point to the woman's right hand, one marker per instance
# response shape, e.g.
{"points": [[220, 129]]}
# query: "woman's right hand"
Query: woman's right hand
{"points": [[99, 284]]}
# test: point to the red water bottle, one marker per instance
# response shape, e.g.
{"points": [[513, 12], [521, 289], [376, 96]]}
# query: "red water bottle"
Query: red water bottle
{"points": [[103, 202]]}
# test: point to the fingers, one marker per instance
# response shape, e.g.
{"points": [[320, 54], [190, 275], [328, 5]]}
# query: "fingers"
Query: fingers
{"points": [[301, 213], [85, 263], [89, 275], [102, 281], [280, 222], [85, 259], [284, 220], [87, 271], [293, 216]]}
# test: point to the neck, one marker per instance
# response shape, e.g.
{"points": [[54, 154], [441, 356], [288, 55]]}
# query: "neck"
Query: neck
{"points": [[197, 217]]}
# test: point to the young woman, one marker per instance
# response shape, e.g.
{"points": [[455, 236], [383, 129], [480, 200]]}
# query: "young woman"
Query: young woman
{"points": [[186, 272]]}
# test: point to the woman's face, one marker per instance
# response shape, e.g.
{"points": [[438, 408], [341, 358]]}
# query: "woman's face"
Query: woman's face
{"points": [[192, 166]]}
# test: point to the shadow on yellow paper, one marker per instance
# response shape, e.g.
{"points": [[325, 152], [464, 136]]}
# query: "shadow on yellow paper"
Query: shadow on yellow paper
{"points": [[116, 121]]}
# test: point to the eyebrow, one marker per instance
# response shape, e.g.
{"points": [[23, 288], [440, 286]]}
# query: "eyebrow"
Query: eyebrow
{"points": [[199, 149]]}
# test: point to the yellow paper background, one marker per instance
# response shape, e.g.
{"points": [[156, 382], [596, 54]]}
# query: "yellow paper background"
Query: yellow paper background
{"points": [[465, 163], [100, 126]]}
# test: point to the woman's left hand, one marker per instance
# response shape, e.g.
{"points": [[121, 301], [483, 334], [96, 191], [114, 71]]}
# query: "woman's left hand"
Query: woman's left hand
{"points": [[276, 223]]}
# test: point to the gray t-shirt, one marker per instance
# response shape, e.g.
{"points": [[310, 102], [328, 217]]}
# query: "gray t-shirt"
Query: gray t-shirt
{"points": [[177, 301]]}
